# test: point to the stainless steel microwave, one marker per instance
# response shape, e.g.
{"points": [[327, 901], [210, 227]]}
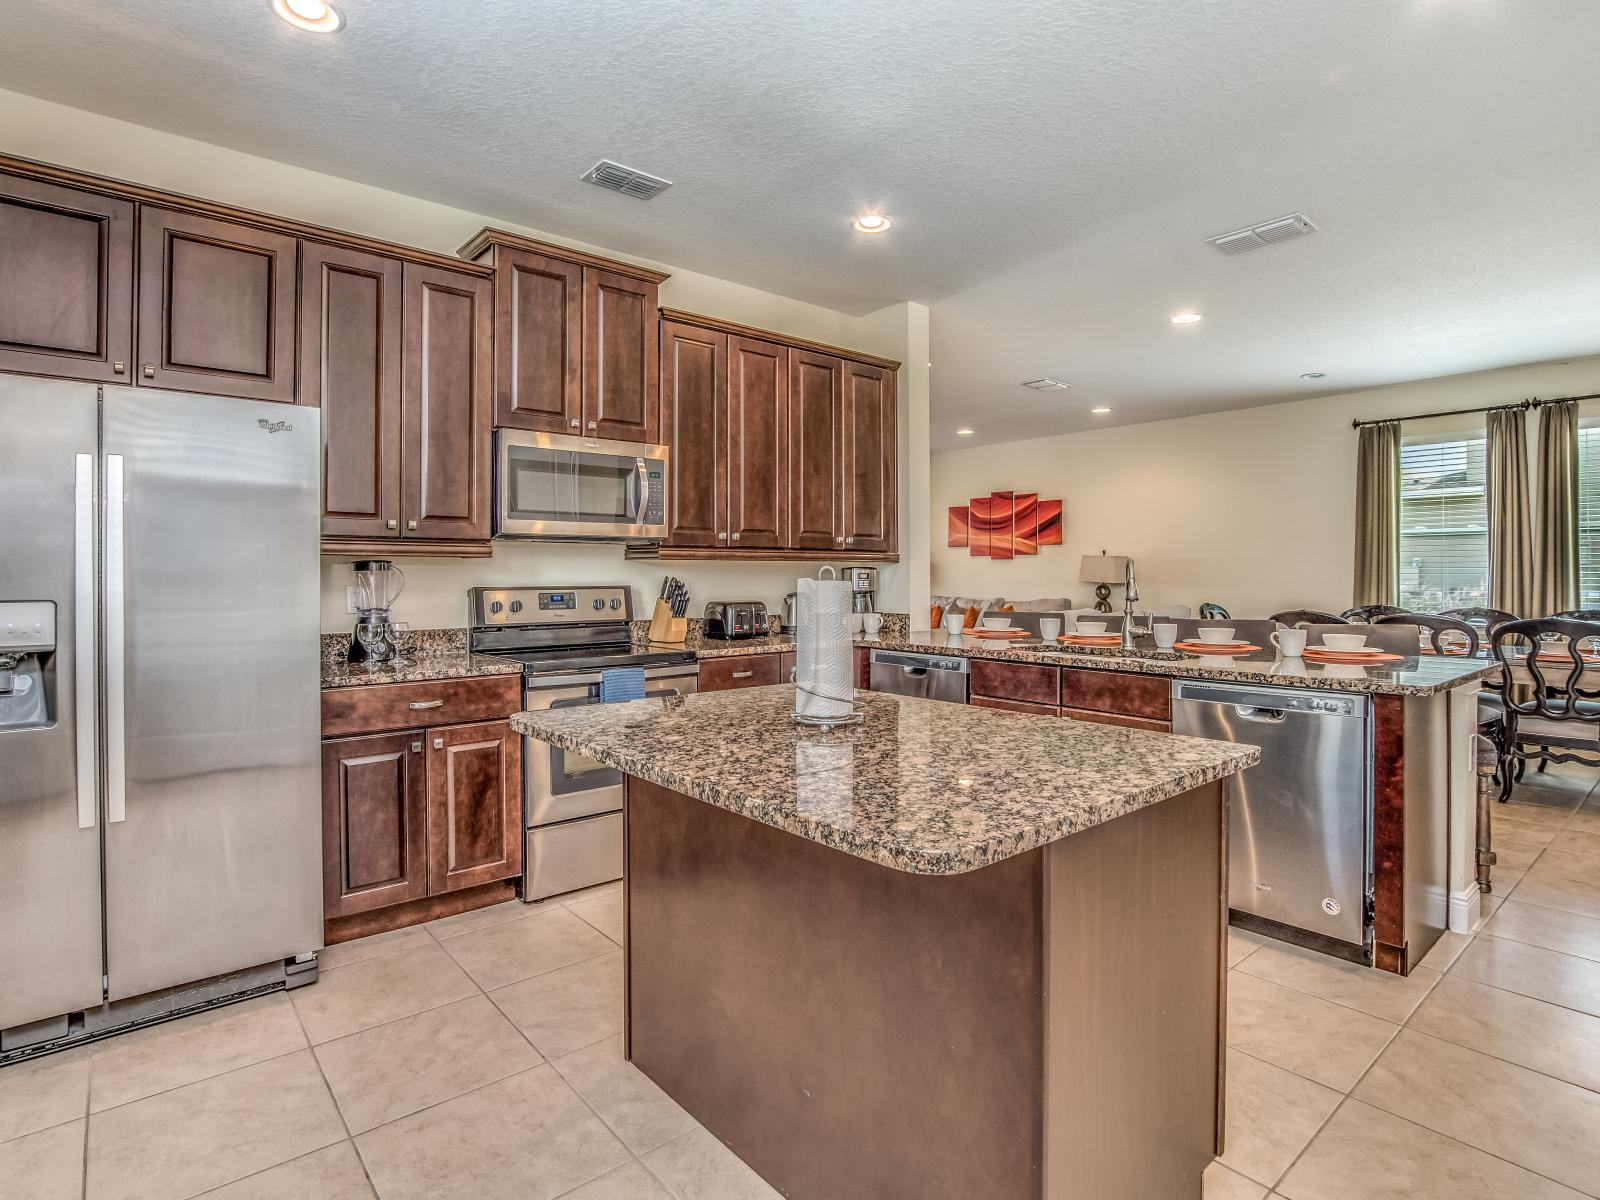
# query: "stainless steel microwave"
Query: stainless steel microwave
{"points": [[554, 485]]}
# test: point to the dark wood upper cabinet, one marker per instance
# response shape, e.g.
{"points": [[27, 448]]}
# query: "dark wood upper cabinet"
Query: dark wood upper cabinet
{"points": [[757, 444], [445, 405], [816, 393], [66, 281], [538, 349], [868, 459], [216, 306], [694, 373], [350, 367], [474, 805], [374, 821], [620, 370]]}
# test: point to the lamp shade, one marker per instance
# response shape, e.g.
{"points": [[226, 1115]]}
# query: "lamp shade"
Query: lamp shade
{"points": [[1103, 568]]}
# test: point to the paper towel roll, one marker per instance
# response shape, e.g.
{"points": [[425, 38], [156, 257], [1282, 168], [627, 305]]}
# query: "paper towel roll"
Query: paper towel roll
{"points": [[823, 683]]}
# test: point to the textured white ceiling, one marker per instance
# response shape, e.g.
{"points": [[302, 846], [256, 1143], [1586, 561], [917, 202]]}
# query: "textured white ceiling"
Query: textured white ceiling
{"points": [[1051, 168]]}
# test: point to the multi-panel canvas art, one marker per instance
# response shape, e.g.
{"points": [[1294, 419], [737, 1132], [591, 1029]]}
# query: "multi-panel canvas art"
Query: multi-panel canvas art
{"points": [[1005, 524]]}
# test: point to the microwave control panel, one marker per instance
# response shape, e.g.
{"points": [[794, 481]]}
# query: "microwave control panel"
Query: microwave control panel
{"points": [[654, 503]]}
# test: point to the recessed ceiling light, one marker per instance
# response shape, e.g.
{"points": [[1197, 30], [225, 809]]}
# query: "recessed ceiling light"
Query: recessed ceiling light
{"points": [[963, 433], [1185, 318], [871, 223], [1314, 375], [315, 16], [1101, 411]]}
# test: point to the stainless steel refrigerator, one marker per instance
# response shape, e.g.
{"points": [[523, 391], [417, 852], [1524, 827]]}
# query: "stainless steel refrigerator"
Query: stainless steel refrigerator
{"points": [[160, 844]]}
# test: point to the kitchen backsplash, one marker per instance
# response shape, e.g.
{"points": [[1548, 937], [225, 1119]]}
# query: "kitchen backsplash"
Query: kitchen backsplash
{"points": [[336, 646]]}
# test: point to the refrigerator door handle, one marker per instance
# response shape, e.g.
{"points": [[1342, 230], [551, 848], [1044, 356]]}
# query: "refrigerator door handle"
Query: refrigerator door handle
{"points": [[86, 667], [115, 596]]}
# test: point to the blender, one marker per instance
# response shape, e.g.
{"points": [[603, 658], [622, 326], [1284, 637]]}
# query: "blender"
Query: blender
{"points": [[378, 586]]}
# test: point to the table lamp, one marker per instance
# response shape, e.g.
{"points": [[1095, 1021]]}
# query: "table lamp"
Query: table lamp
{"points": [[1103, 570]]}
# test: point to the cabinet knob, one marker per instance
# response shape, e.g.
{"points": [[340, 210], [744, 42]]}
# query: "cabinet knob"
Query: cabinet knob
{"points": [[411, 524], [840, 540], [149, 371], [576, 424], [393, 524], [593, 425], [722, 537], [736, 537], [117, 368], [438, 743], [416, 747], [849, 541]]}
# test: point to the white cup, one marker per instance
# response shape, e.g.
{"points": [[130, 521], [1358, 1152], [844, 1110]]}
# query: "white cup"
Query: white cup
{"points": [[1291, 643], [1221, 633], [1344, 641], [954, 623], [995, 622], [1091, 627], [1166, 634], [855, 622], [1049, 628], [872, 624]]}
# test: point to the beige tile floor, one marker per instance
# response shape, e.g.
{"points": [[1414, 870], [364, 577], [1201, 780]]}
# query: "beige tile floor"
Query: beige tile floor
{"points": [[480, 1056]]}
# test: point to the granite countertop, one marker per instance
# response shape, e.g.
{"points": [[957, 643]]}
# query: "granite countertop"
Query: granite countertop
{"points": [[418, 667], [920, 786], [1424, 675]]}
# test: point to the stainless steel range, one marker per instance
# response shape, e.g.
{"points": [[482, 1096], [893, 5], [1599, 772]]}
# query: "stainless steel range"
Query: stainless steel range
{"points": [[566, 638]]}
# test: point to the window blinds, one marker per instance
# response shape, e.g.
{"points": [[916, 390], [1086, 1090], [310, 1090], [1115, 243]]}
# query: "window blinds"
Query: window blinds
{"points": [[1589, 514], [1444, 522]]}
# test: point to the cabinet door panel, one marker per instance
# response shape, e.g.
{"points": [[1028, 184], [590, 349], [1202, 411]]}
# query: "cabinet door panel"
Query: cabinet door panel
{"points": [[620, 370], [538, 342], [374, 811], [350, 364], [445, 405], [474, 805], [758, 444], [869, 458], [815, 398], [694, 372], [66, 282], [216, 306]]}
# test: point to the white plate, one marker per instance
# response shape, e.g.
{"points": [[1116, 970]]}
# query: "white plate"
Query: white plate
{"points": [[1218, 645], [1362, 650]]}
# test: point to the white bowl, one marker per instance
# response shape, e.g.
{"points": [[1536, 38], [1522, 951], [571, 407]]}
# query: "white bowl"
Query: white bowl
{"points": [[1344, 641], [1091, 627], [995, 622], [1216, 634]]}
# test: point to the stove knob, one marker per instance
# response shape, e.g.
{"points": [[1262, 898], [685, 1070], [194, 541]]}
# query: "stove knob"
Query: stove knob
{"points": [[496, 606], [516, 606], [616, 604]]}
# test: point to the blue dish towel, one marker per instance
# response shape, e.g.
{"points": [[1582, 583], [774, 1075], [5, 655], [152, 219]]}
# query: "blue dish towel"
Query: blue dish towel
{"points": [[621, 683]]}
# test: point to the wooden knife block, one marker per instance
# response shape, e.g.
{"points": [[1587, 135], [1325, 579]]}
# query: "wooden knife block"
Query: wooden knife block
{"points": [[664, 627]]}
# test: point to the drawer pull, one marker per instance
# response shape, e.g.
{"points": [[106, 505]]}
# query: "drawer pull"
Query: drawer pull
{"points": [[743, 674], [426, 704]]}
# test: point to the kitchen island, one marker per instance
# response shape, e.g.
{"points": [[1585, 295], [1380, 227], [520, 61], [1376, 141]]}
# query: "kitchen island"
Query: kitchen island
{"points": [[946, 952]]}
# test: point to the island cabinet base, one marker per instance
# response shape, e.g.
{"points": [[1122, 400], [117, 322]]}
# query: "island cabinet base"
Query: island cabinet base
{"points": [[1050, 1026]]}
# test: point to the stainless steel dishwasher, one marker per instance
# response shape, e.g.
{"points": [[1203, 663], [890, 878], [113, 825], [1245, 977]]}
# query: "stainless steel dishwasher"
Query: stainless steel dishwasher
{"points": [[930, 676], [1300, 823]]}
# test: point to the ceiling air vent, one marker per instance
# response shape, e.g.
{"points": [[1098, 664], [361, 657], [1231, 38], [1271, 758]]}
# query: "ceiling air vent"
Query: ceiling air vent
{"points": [[1265, 234], [618, 178], [1046, 385]]}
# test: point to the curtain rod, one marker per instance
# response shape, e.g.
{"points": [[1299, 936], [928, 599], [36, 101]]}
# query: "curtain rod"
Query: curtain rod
{"points": [[1462, 412]]}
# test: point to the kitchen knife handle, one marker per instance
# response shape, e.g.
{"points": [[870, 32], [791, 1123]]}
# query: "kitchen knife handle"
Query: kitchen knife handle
{"points": [[85, 669]]}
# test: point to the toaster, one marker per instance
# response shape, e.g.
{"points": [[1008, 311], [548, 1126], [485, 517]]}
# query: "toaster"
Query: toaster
{"points": [[731, 619]]}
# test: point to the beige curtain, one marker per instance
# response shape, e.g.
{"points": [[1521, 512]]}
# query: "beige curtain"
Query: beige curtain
{"points": [[1510, 538], [1378, 514], [1555, 571]]}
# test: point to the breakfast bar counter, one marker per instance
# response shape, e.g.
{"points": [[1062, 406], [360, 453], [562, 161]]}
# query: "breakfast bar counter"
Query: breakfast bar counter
{"points": [[945, 952]]}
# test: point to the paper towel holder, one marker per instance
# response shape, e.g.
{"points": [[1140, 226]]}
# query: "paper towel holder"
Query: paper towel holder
{"points": [[855, 716]]}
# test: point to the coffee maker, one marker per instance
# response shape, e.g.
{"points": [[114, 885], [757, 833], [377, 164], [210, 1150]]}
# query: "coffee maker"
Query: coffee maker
{"points": [[863, 583], [378, 585]]}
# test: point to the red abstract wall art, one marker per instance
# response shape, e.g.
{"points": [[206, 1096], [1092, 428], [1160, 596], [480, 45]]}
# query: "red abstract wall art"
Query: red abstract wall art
{"points": [[1005, 524]]}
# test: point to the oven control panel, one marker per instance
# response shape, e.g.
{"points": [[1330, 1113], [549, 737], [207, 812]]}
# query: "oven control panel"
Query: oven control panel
{"points": [[549, 606]]}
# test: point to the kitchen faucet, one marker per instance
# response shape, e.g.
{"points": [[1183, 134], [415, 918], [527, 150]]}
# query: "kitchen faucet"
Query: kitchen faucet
{"points": [[1130, 594]]}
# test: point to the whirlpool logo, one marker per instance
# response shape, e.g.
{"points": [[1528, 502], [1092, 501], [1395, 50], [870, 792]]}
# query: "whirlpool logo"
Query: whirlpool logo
{"points": [[275, 426]]}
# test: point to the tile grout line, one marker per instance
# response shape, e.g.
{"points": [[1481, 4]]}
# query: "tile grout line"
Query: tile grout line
{"points": [[334, 1100]]}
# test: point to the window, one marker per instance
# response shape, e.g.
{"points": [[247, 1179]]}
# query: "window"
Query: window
{"points": [[1589, 514], [1444, 522]]}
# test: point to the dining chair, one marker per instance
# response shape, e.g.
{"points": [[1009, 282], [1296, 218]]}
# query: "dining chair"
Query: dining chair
{"points": [[1578, 614], [1557, 719], [1213, 612], [1490, 618], [1307, 616], [1452, 635], [1370, 612]]}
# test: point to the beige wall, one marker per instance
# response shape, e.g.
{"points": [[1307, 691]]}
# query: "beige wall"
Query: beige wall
{"points": [[1253, 509], [436, 588]]}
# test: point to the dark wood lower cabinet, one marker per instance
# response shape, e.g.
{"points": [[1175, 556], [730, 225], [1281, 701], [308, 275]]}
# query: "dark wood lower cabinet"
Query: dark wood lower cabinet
{"points": [[1019, 706], [1106, 718], [745, 670], [474, 805], [374, 817]]}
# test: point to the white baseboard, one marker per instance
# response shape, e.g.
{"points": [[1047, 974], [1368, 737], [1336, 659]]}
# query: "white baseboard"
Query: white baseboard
{"points": [[1466, 907]]}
